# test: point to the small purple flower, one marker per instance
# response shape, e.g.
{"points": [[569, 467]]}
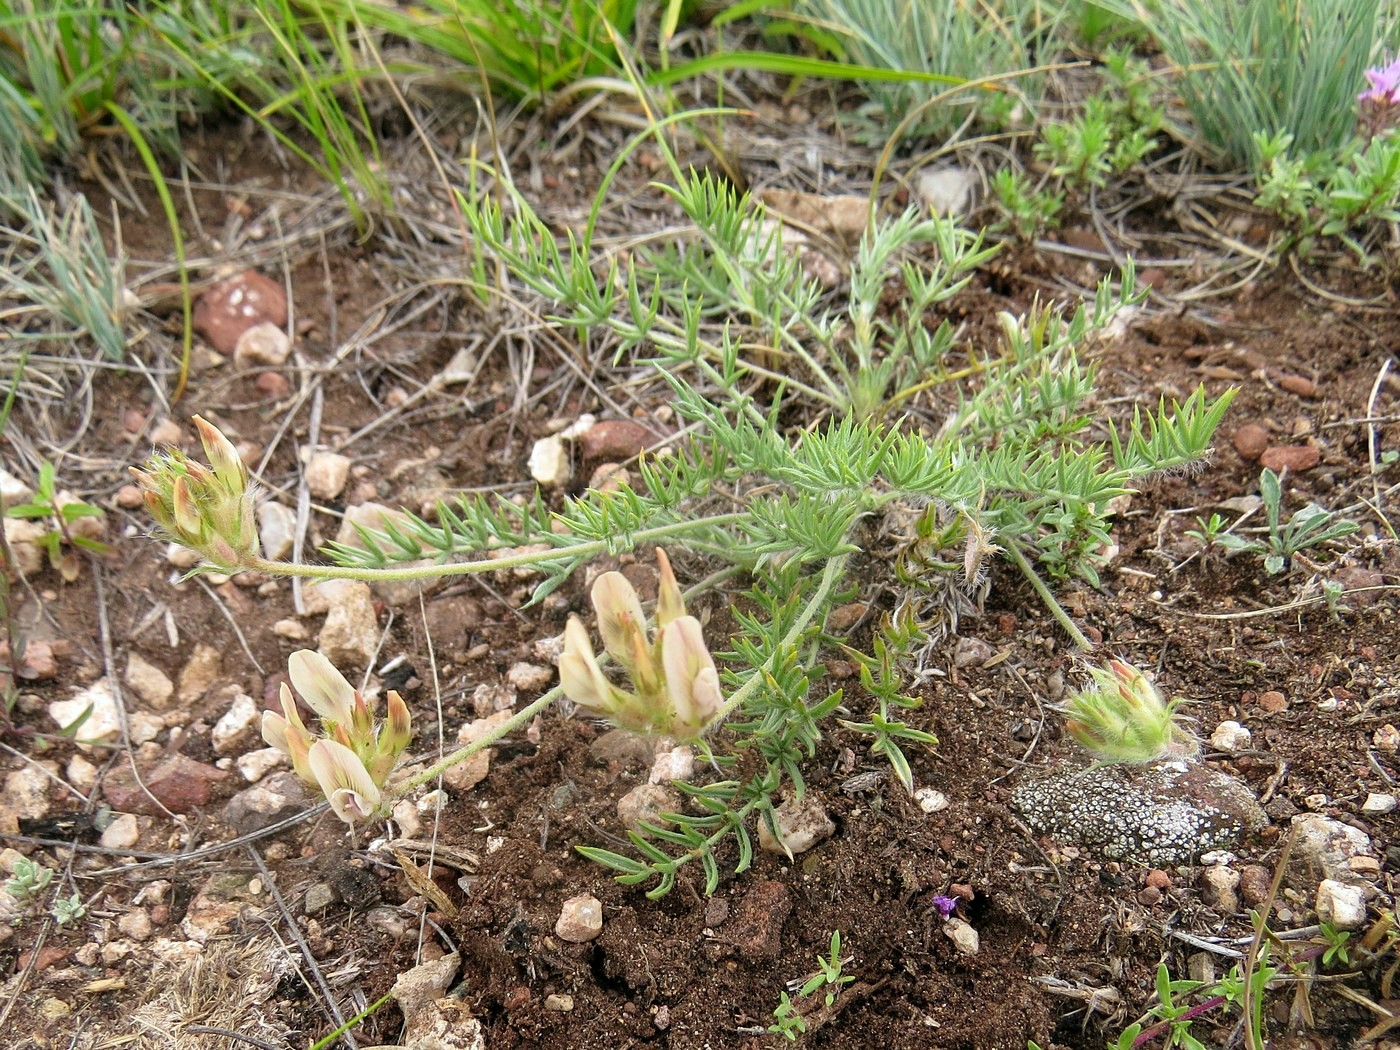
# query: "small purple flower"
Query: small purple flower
{"points": [[1385, 85], [945, 905]]}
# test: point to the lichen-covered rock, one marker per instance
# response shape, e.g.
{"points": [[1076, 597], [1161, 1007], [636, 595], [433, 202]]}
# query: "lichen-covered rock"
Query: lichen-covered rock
{"points": [[1162, 813]]}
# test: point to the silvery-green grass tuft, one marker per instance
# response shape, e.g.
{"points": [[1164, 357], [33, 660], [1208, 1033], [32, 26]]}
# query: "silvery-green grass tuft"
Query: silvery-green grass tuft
{"points": [[966, 39], [1268, 67]]}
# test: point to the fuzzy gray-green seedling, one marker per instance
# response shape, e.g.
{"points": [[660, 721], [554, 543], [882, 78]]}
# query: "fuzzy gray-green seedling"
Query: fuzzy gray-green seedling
{"points": [[1123, 717]]}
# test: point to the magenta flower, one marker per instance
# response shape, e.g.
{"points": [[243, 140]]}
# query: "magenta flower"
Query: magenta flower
{"points": [[944, 904], [1385, 85]]}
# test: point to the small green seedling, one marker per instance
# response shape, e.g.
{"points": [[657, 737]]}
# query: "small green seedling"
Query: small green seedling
{"points": [[787, 1022], [1337, 949], [61, 513], [1309, 527], [68, 909], [1209, 530], [829, 973], [29, 880]]}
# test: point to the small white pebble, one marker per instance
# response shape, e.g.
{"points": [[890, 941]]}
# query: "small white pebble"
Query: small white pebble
{"points": [[1230, 736], [549, 462], [292, 630], [1341, 904], [965, 939], [580, 919], [676, 764], [1378, 803], [530, 678], [931, 800]]}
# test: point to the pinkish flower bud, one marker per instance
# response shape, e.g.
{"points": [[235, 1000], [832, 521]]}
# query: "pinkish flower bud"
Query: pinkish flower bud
{"points": [[669, 603], [398, 729], [229, 468]]}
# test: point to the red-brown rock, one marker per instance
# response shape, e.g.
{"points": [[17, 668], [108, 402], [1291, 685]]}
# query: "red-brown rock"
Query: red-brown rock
{"points": [[1300, 385], [178, 783], [615, 440], [231, 307], [274, 385], [1291, 457], [758, 929], [1250, 441], [1255, 881]]}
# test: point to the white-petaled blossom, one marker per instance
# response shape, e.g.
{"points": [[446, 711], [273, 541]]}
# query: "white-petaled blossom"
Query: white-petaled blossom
{"points": [[344, 780], [324, 689], [348, 727], [675, 685]]}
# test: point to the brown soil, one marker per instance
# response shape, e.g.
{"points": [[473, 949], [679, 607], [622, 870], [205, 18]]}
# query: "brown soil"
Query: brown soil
{"points": [[1057, 929]]}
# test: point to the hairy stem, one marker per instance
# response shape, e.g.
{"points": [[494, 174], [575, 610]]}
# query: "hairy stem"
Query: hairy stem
{"points": [[526, 560], [1056, 609], [466, 751]]}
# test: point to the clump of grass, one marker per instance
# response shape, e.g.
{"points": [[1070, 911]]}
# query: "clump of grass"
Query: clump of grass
{"points": [[959, 39], [526, 50], [1267, 66]]}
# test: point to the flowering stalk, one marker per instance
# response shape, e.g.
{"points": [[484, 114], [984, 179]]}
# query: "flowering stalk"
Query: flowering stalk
{"points": [[353, 758], [1123, 718], [1380, 103], [210, 511], [675, 686]]}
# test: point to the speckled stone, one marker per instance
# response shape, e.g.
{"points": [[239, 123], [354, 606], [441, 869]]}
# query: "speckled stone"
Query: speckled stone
{"points": [[1163, 813]]}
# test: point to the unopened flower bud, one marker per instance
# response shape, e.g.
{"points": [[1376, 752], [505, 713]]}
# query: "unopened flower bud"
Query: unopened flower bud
{"points": [[1123, 718], [207, 510], [669, 603]]}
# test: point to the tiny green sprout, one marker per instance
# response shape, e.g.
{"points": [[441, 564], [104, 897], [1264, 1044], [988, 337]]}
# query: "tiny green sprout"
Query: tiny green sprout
{"points": [[29, 880], [1337, 941], [787, 1022], [63, 513], [1208, 530], [1122, 717], [829, 973], [68, 909]]}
